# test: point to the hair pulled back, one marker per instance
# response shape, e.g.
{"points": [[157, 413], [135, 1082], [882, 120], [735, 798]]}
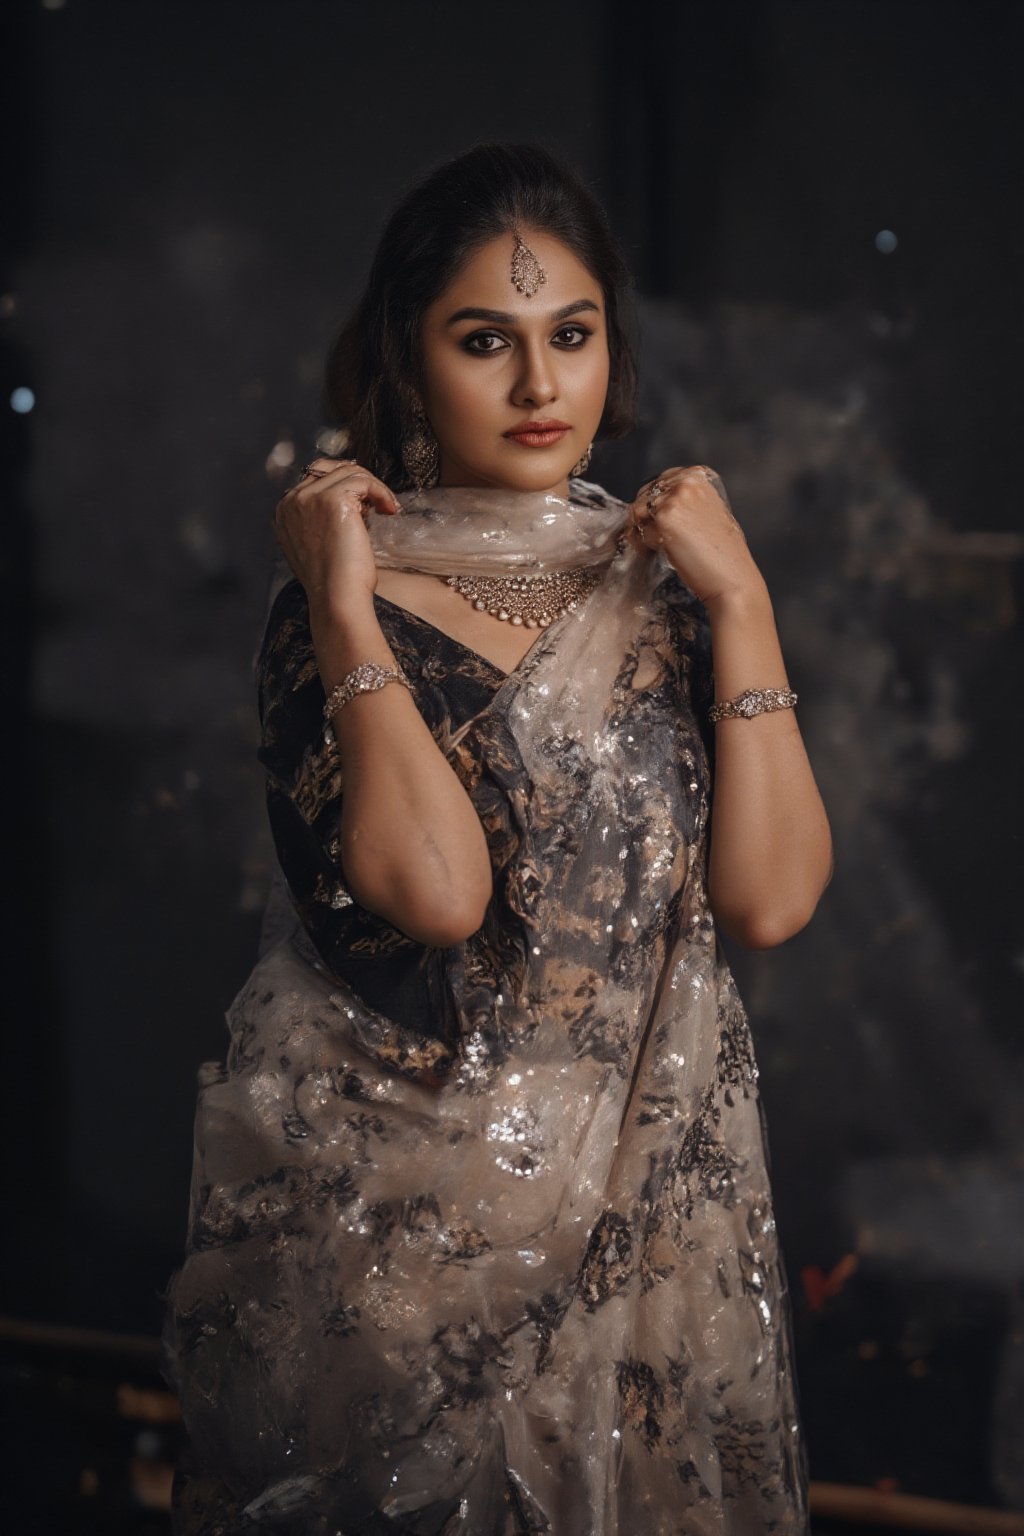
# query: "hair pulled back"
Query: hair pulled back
{"points": [[493, 189]]}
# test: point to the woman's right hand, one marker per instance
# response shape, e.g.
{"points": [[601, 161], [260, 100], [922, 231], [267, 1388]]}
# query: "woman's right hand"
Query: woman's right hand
{"points": [[321, 529]]}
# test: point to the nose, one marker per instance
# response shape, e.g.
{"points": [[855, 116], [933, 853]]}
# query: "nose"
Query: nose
{"points": [[535, 382]]}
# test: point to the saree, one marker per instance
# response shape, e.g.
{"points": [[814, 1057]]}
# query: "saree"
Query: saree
{"points": [[481, 1239]]}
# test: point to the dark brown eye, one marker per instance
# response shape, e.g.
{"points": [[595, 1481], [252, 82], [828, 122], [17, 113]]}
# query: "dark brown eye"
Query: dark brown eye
{"points": [[572, 336], [482, 343]]}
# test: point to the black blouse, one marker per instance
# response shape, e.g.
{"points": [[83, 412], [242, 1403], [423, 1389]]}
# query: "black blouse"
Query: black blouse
{"points": [[395, 975]]}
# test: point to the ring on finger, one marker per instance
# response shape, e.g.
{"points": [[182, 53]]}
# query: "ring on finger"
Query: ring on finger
{"points": [[654, 495]]}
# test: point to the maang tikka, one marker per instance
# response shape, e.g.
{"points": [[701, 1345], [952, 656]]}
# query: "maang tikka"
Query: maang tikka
{"points": [[527, 272]]}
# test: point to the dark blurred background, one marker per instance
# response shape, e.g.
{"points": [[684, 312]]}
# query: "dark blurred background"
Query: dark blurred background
{"points": [[821, 202]]}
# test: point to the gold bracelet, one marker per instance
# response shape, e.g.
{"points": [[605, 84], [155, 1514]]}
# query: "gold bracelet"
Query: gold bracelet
{"points": [[754, 701], [366, 678]]}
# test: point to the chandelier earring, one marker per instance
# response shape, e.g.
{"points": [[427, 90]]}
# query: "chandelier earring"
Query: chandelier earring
{"points": [[582, 464], [421, 456]]}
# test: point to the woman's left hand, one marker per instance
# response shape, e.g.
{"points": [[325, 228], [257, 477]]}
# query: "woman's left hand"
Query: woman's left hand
{"points": [[682, 513], [770, 854]]}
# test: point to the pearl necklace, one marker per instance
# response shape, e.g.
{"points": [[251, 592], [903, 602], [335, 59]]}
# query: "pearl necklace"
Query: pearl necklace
{"points": [[533, 601]]}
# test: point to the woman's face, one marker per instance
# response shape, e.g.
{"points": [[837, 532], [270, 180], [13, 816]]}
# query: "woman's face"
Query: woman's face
{"points": [[496, 362]]}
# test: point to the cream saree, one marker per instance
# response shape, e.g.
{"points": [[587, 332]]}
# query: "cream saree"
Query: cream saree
{"points": [[481, 1239]]}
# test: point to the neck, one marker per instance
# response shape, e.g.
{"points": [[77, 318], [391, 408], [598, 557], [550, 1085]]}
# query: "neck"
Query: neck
{"points": [[460, 483]]}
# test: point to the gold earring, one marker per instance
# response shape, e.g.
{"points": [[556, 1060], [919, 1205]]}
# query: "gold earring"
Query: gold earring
{"points": [[421, 455], [582, 464]]}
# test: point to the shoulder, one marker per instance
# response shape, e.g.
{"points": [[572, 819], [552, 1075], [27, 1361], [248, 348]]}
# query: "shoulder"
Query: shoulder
{"points": [[288, 615], [287, 661]]}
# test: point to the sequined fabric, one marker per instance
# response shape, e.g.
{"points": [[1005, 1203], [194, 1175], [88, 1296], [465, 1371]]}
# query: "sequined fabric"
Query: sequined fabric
{"points": [[481, 1239]]}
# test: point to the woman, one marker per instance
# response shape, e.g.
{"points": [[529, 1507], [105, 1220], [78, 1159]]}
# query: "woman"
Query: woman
{"points": [[481, 1235]]}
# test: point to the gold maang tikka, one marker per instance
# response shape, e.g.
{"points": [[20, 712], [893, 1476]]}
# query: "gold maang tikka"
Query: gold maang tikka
{"points": [[527, 272]]}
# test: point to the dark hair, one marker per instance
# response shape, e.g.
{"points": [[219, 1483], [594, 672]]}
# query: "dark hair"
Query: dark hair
{"points": [[489, 191]]}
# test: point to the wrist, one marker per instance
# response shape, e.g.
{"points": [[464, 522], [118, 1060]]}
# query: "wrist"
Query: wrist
{"points": [[346, 636], [745, 601], [342, 613]]}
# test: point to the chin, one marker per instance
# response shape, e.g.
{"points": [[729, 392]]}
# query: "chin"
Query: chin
{"points": [[523, 469], [534, 477]]}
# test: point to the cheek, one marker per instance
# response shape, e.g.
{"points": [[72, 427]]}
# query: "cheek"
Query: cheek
{"points": [[593, 382], [593, 366], [461, 395], [473, 393]]}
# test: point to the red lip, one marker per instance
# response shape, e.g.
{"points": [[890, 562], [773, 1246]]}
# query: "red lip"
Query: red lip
{"points": [[538, 434]]}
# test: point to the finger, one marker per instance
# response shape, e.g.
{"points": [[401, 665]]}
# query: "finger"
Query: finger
{"points": [[316, 469], [650, 499], [666, 478], [645, 490], [639, 513], [311, 473], [642, 511], [645, 509], [373, 494], [349, 476], [712, 478], [309, 477], [641, 526], [322, 466], [643, 535]]}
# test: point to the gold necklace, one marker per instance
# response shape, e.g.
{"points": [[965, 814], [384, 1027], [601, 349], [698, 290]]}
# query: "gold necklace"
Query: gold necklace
{"points": [[533, 601]]}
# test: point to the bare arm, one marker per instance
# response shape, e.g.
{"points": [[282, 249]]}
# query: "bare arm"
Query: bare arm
{"points": [[412, 846], [413, 849], [771, 849]]}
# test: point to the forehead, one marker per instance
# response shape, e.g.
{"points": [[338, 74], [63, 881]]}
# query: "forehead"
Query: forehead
{"points": [[485, 278]]}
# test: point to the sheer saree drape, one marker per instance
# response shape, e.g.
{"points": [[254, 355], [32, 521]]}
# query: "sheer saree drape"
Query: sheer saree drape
{"points": [[510, 1264]]}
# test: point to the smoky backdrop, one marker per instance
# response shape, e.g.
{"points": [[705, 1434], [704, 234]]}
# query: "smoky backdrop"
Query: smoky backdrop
{"points": [[817, 201]]}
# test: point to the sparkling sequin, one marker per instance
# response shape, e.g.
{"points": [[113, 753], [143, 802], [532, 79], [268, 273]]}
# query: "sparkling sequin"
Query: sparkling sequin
{"points": [[496, 1241]]}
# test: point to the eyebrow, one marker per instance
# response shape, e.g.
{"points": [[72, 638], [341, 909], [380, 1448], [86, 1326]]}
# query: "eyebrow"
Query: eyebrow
{"points": [[503, 317]]}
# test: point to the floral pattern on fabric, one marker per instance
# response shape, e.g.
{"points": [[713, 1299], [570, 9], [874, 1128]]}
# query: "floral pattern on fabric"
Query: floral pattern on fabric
{"points": [[481, 1239]]}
